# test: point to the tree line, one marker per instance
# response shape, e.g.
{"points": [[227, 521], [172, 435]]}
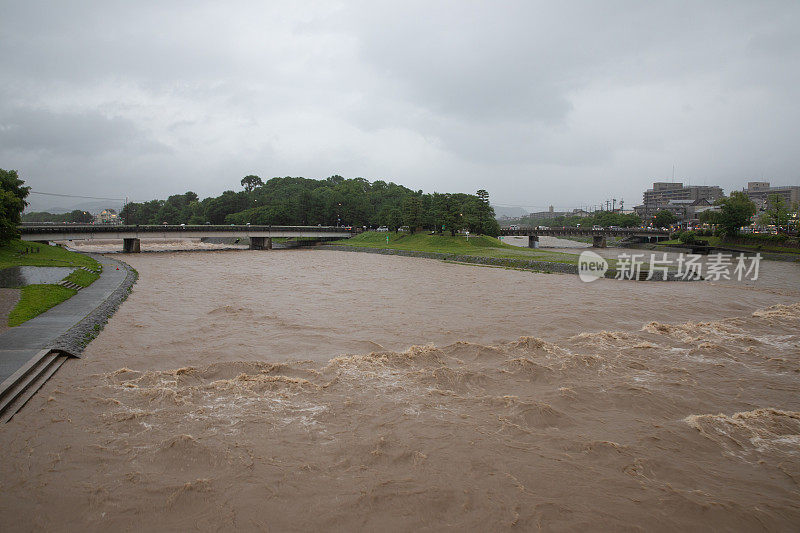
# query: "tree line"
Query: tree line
{"points": [[76, 216], [334, 201], [599, 218], [12, 201]]}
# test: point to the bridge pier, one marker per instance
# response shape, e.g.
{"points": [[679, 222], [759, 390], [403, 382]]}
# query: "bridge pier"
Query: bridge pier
{"points": [[598, 241], [131, 246], [533, 241], [260, 243]]}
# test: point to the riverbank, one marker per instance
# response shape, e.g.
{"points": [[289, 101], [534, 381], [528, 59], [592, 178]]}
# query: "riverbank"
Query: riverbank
{"points": [[516, 263], [773, 252], [459, 245], [35, 299]]}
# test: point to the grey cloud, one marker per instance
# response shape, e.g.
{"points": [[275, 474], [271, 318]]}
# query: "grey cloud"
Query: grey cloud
{"points": [[559, 103], [76, 134]]}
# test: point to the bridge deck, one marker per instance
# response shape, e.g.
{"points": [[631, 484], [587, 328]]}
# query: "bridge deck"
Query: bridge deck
{"points": [[91, 232], [587, 232]]}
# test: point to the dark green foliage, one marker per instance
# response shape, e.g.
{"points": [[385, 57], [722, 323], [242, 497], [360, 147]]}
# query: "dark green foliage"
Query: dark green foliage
{"points": [[778, 211], [687, 237], [251, 182], [12, 202], [710, 217], [329, 202], [735, 212], [77, 216], [664, 219], [601, 218], [767, 238]]}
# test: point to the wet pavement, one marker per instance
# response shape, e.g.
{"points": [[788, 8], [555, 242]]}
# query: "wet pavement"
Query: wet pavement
{"points": [[19, 344]]}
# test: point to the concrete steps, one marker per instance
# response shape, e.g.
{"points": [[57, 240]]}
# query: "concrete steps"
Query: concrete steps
{"points": [[71, 285], [25, 382]]}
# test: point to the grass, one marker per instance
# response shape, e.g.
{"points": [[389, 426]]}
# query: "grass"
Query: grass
{"points": [[480, 246], [36, 299], [13, 254], [82, 278], [719, 242]]}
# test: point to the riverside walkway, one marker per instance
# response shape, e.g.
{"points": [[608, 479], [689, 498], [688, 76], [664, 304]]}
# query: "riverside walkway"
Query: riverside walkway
{"points": [[23, 345]]}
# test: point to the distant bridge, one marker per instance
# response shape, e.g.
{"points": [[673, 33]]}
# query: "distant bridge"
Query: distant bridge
{"points": [[260, 236], [598, 236]]}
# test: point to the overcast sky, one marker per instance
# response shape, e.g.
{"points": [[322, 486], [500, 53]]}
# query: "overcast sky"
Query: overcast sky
{"points": [[563, 103]]}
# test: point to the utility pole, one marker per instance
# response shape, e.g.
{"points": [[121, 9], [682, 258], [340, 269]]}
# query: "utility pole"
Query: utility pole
{"points": [[607, 204], [613, 204]]}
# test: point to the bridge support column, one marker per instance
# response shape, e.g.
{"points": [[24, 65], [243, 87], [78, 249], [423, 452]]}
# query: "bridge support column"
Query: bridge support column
{"points": [[533, 241], [131, 246], [598, 241], [260, 243]]}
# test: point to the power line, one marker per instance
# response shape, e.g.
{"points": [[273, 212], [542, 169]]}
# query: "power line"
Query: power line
{"points": [[76, 196]]}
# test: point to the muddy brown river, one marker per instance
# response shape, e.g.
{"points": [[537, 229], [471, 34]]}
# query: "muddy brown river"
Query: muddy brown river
{"points": [[321, 390]]}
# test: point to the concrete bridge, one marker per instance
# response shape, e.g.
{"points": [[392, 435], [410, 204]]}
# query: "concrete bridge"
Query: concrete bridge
{"points": [[598, 236], [260, 236]]}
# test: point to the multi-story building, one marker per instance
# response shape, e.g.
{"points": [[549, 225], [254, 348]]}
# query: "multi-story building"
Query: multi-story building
{"points": [[107, 216], [664, 193], [760, 191], [686, 210]]}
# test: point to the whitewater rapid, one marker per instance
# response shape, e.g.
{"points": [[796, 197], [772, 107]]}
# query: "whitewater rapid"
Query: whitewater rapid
{"points": [[302, 389]]}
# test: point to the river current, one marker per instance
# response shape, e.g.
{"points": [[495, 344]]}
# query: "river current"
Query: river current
{"points": [[309, 390]]}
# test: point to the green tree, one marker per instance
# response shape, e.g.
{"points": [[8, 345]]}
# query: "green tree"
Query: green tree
{"points": [[664, 219], [251, 182], [735, 212], [485, 211], [411, 208], [709, 217], [79, 217], [12, 201], [447, 213], [778, 211], [395, 219]]}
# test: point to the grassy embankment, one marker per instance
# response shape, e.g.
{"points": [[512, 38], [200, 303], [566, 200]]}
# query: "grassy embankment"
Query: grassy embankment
{"points": [[36, 299], [719, 242], [477, 246]]}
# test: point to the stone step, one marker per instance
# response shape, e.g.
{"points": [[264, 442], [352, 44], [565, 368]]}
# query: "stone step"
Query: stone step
{"points": [[70, 285]]}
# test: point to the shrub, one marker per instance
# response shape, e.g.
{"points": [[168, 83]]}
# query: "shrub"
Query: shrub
{"points": [[687, 237]]}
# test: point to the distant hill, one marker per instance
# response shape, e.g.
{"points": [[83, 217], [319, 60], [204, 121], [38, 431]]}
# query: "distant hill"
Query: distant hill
{"points": [[38, 203], [511, 212]]}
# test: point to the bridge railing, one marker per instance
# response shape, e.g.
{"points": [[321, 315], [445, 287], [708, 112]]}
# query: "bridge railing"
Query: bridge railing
{"points": [[116, 228]]}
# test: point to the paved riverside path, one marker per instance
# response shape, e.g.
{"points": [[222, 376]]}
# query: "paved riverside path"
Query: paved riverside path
{"points": [[19, 344]]}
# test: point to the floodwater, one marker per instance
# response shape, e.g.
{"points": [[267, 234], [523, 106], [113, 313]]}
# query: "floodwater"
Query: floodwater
{"points": [[310, 390], [101, 246], [20, 276]]}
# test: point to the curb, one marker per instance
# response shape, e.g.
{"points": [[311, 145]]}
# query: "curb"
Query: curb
{"points": [[75, 340]]}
